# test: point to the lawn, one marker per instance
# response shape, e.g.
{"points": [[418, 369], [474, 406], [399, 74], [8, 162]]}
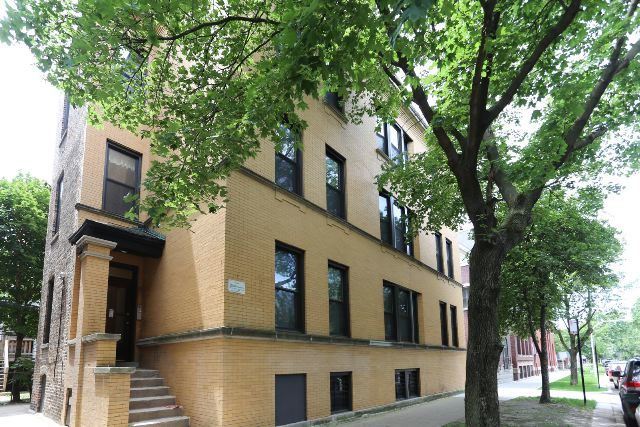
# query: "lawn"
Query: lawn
{"points": [[526, 411], [590, 383]]}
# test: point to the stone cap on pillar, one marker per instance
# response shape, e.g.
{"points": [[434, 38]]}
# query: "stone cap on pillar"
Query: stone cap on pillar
{"points": [[100, 337]]}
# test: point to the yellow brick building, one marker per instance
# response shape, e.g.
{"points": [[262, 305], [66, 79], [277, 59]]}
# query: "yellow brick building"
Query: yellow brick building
{"points": [[302, 300]]}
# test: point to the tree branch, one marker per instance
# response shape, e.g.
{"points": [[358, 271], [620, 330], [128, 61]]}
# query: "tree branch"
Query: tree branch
{"points": [[225, 20], [505, 186], [554, 32]]}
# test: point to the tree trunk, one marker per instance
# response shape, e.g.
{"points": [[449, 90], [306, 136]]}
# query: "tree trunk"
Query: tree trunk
{"points": [[485, 346], [15, 391], [573, 353], [545, 395]]}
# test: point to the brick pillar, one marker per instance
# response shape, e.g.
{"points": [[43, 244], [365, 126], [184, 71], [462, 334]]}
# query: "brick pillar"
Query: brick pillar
{"points": [[101, 390]]}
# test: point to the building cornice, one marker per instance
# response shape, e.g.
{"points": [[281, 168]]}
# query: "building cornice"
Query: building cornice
{"points": [[276, 335]]}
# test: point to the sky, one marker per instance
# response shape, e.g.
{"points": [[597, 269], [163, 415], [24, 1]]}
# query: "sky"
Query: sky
{"points": [[30, 109]]}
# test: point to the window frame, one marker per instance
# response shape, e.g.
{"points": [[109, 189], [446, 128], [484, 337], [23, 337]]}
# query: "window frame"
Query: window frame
{"points": [[332, 154], [413, 310], [346, 332], [439, 253], [449, 249], [58, 204], [65, 118], [297, 183], [126, 151], [407, 389], [391, 227], [299, 292], [453, 314], [46, 333], [382, 142], [337, 105], [444, 324], [349, 376]]}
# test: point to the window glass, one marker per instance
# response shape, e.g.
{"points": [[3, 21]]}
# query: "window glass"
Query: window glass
{"points": [[399, 226], [288, 140], [335, 184], [401, 385], [400, 314], [286, 309], [122, 168], [395, 141], [333, 172], [288, 296], [340, 392], [385, 219], [444, 327], [335, 284], [122, 179], [449, 258], [439, 258], [286, 269], [286, 174], [59, 192], [454, 325]]}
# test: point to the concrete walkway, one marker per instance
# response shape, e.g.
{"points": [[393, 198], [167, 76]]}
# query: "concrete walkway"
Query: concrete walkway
{"points": [[442, 411], [20, 415]]}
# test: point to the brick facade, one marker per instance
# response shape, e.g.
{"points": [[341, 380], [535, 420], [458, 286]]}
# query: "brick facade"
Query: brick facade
{"points": [[219, 350]]}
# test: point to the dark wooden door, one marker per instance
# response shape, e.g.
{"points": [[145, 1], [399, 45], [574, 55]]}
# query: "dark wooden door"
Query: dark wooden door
{"points": [[121, 315]]}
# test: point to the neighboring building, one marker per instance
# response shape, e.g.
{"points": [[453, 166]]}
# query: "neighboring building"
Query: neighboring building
{"points": [[526, 361], [518, 358], [8, 348], [297, 301]]}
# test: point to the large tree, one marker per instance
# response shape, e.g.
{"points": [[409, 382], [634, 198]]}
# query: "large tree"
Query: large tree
{"points": [[206, 80], [24, 203], [566, 244]]}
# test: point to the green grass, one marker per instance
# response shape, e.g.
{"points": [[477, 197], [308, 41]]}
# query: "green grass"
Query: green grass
{"points": [[590, 383], [575, 403]]}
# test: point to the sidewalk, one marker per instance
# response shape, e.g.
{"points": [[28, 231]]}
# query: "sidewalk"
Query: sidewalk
{"points": [[20, 415], [442, 411]]}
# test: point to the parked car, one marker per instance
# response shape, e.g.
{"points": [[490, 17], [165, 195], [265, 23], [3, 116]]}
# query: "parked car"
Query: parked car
{"points": [[614, 372], [630, 391]]}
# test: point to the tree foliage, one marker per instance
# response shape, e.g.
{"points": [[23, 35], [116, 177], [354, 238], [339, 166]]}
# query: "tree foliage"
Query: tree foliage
{"points": [[207, 80], [614, 335], [24, 203], [567, 250]]}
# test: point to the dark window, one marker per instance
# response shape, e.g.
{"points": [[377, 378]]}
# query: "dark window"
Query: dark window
{"points": [[47, 314], [394, 224], [289, 288], [340, 384], [43, 392], [335, 183], [444, 326], [291, 398], [449, 258], [338, 300], [335, 101], [400, 314], [288, 161], [393, 141], [56, 213], [122, 177], [65, 117], [407, 384], [454, 325], [439, 258]]}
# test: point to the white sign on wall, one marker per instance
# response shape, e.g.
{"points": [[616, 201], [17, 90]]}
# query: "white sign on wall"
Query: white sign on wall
{"points": [[236, 286]]}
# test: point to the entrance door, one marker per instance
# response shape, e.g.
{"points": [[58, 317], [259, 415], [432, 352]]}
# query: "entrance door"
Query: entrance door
{"points": [[121, 309]]}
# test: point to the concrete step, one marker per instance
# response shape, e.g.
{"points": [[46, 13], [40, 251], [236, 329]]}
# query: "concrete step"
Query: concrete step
{"points": [[146, 382], [154, 413], [137, 392], [146, 373], [151, 402], [163, 422]]}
